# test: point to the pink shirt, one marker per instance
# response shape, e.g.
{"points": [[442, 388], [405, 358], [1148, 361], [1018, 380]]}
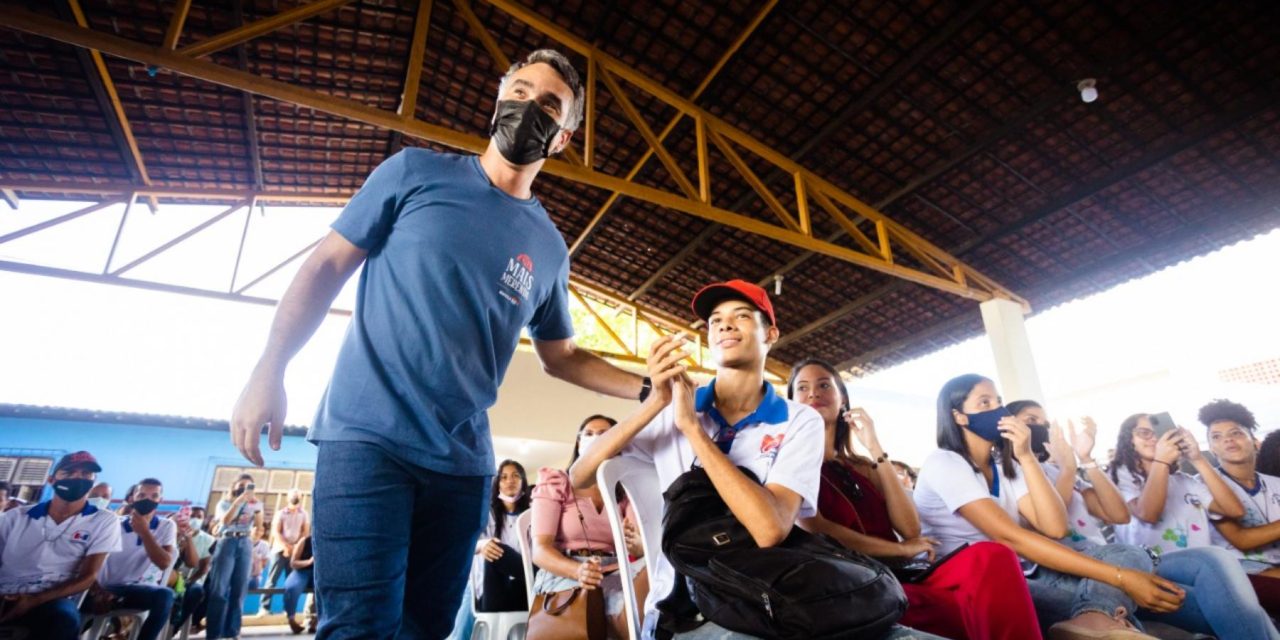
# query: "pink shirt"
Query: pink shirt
{"points": [[290, 526], [555, 513]]}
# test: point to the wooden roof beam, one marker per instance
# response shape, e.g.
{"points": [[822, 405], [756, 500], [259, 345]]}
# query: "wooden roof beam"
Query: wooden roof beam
{"points": [[247, 32]]}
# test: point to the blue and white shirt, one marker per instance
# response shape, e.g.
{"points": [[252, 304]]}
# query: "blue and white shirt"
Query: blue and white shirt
{"points": [[131, 564], [37, 553]]}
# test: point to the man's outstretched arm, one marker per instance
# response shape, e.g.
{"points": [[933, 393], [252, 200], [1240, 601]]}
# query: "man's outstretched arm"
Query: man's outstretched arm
{"points": [[565, 360], [298, 315]]}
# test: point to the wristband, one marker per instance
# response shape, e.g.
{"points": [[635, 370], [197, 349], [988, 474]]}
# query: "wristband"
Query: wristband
{"points": [[1167, 464], [646, 387], [1089, 465], [877, 461]]}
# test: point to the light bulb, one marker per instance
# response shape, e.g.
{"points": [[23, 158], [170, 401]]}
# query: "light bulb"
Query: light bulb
{"points": [[777, 285], [1088, 89]]}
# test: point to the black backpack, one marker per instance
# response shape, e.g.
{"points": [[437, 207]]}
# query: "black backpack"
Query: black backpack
{"points": [[808, 587]]}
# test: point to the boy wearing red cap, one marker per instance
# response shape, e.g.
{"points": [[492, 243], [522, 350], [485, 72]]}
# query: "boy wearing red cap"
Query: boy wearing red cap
{"points": [[736, 420], [51, 551]]}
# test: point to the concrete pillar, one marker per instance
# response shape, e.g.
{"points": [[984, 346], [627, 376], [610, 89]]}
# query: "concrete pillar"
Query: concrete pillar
{"points": [[1015, 366]]}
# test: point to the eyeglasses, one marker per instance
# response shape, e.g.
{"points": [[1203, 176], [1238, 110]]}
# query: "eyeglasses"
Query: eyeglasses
{"points": [[1144, 434]]}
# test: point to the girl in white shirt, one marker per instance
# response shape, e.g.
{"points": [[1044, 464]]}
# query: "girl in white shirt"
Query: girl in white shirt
{"points": [[986, 477]]}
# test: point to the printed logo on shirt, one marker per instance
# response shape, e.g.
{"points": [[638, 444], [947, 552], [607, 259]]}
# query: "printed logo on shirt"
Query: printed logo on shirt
{"points": [[80, 535], [518, 277], [769, 445], [1193, 500]]}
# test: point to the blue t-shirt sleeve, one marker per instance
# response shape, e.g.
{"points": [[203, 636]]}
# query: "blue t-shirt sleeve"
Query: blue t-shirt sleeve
{"points": [[551, 321], [369, 215]]}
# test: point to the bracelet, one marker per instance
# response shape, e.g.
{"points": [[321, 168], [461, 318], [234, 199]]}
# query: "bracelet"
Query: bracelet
{"points": [[646, 386], [1119, 578], [877, 461], [1089, 465], [1167, 464]]}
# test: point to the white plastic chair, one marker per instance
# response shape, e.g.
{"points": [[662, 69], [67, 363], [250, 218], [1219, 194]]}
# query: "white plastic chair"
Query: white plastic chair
{"points": [[524, 524], [641, 485], [510, 625], [98, 623]]}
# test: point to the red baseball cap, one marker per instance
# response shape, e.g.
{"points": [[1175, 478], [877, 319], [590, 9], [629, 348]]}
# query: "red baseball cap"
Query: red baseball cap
{"points": [[78, 459], [706, 299]]}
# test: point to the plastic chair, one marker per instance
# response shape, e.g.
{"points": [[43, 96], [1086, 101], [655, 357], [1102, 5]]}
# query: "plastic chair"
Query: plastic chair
{"points": [[524, 524], [641, 485], [510, 625]]}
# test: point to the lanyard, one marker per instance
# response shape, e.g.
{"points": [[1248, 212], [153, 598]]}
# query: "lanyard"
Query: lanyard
{"points": [[1261, 487], [995, 478]]}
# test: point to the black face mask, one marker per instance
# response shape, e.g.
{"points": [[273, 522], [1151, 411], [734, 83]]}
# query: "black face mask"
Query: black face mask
{"points": [[72, 489], [145, 507], [295, 501], [1039, 441], [522, 131]]}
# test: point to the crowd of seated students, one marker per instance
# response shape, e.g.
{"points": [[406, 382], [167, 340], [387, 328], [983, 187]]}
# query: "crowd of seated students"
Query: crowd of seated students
{"points": [[70, 557], [1036, 537]]}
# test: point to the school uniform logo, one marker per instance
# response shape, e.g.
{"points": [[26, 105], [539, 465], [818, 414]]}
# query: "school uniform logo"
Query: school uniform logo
{"points": [[769, 445], [80, 535], [517, 279]]}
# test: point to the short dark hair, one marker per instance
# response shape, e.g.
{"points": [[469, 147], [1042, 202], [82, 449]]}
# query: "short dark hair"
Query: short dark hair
{"points": [[149, 481], [4, 486], [1269, 454], [564, 68], [244, 476], [1222, 410]]}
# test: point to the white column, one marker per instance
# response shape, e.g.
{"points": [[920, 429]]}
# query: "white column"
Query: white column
{"points": [[1015, 366]]}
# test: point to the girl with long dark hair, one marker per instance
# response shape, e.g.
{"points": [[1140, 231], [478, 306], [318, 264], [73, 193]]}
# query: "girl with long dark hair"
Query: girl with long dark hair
{"points": [[862, 505], [985, 477], [572, 537], [497, 576], [1171, 516]]}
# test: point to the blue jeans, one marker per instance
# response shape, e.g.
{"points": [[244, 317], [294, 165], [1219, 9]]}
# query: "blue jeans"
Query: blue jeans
{"points": [[155, 599], [55, 620], [225, 587], [393, 541], [713, 631], [192, 599], [465, 621], [295, 584], [1059, 596], [1220, 600]]}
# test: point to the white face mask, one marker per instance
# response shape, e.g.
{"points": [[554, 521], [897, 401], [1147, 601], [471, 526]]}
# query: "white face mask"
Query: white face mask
{"points": [[100, 503], [508, 499], [197, 523], [585, 442]]}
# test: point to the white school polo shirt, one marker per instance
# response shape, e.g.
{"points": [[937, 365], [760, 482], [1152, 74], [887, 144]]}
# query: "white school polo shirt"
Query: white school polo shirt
{"points": [[946, 483], [131, 565], [1083, 529], [1260, 507], [1184, 522], [782, 442], [37, 553]]}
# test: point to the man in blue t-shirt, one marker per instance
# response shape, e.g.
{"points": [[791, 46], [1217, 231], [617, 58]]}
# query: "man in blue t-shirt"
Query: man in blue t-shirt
{"points": [[458, 258]]}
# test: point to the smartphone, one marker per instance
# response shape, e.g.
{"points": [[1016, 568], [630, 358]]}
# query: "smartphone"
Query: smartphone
{"points": [[1162, 423], [249, 487]]}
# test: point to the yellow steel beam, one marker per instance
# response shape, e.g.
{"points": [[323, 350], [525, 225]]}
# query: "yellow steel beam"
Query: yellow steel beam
{"points": [[228, 39], [40, 25], [845, 223], [417, 51], [655, 145], [589, 118], [10, 198], [175, 24], [135, 154], [123, 188], [752, 179], [601, 322], [704, 183]]}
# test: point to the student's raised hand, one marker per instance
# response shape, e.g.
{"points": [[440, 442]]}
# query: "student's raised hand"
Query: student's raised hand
{"points": [[1169, 447], [1151, 592], [1059, 449], [665, 355], [864, 429], [1189, 447], [1083, 440], [686, 415], [916, 546], [589, 574], [1019, 437], [139, 521], [492, 550]]}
